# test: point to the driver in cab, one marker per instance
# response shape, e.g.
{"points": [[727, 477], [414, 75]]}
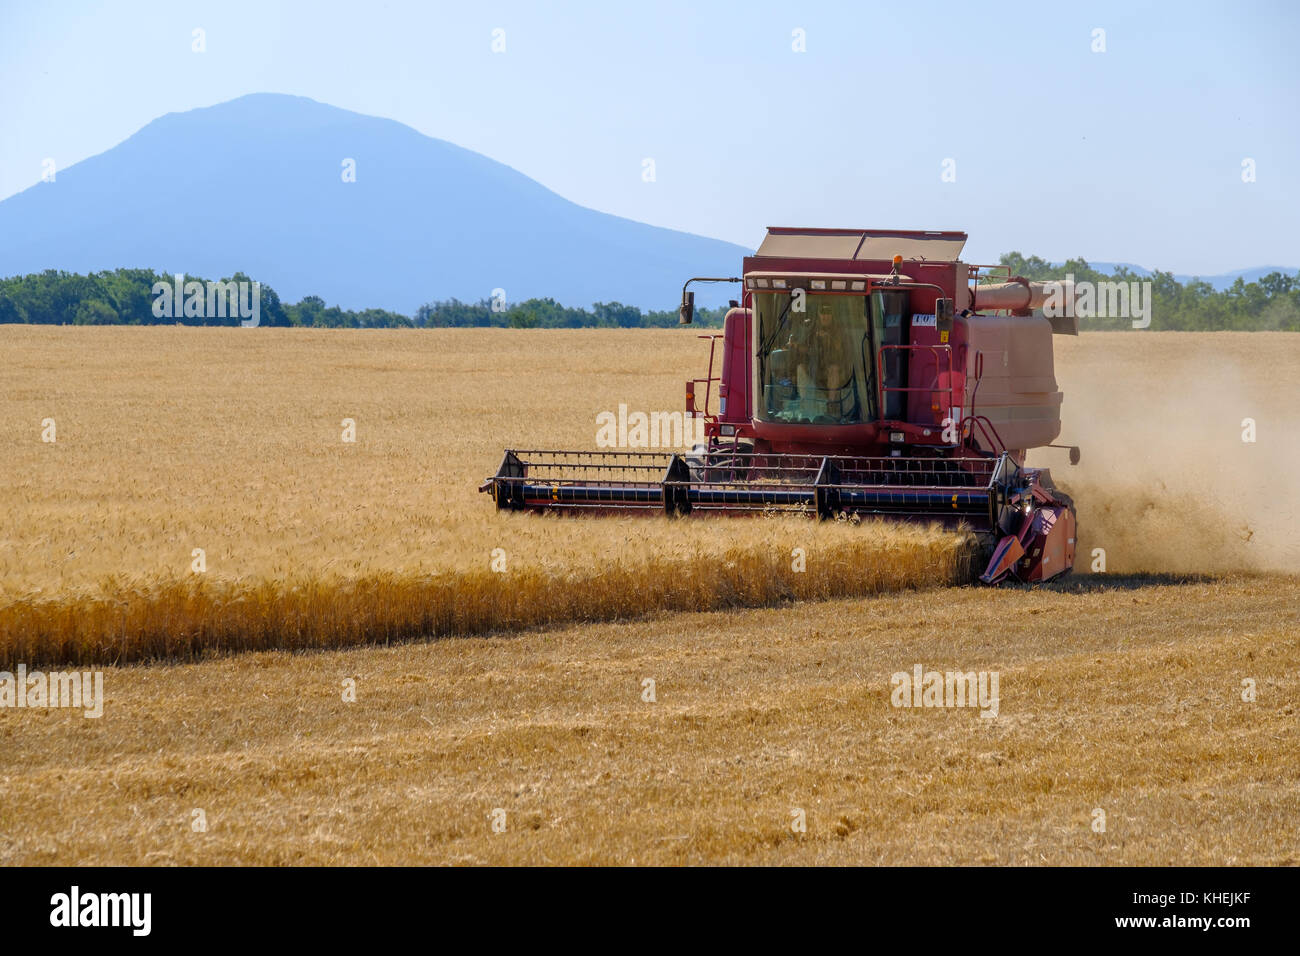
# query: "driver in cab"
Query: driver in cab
{"points": [[822, 362]]}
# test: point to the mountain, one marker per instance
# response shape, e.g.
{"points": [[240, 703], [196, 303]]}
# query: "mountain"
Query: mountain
{"points": [[256, 185], [1219, 282]]}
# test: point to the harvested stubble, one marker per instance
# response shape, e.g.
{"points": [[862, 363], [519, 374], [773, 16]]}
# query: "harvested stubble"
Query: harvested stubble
{"points": [[1124, 694], [313, 542]]}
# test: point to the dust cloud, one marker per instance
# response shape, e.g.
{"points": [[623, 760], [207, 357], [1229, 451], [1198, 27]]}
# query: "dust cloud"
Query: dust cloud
{"points": [[1166, 482]]}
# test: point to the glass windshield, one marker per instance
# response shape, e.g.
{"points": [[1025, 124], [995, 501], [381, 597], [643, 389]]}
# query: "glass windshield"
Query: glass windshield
{"points": [[815, 366], [892, 327]]}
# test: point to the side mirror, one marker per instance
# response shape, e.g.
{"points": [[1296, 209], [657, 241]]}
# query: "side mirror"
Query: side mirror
{"points": [[688, 308], [943, 317], [687, 312]]}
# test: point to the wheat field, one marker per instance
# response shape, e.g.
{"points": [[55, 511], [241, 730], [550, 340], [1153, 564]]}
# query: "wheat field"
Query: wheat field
{"points": [[1123, 697], [168, 440], [535, 743]]}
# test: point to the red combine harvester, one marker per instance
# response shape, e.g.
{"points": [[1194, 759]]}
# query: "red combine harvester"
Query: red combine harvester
{"points": [[868, 372]]}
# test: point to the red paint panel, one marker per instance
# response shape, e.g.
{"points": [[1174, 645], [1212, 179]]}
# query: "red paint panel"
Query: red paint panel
{"points": [[736, 374]]}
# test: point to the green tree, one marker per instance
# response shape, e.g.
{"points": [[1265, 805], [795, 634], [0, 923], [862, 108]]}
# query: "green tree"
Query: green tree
{"points": [[94, 312]]}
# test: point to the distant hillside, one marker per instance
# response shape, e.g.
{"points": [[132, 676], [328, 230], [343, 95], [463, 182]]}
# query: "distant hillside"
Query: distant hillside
{"points": [[255, 185], [1218, 282]]}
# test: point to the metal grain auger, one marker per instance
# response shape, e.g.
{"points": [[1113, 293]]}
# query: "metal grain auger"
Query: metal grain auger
{"points": [[868, 372]]}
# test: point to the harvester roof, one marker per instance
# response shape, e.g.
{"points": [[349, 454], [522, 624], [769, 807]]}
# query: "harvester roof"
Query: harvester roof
{"points": [[785, 242]]}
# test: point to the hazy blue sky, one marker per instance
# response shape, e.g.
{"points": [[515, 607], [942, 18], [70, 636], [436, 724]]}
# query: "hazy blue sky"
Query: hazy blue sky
{"points": [[1134, 154]]}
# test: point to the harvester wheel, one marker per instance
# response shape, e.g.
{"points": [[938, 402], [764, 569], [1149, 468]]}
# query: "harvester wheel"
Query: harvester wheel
{"points": [[721, 462]]}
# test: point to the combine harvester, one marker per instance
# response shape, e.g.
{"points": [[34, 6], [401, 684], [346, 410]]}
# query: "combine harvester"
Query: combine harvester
{"points": [[870, 373]]}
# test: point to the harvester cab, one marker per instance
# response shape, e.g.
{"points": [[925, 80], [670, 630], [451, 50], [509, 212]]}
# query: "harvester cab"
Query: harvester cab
{"points": [[864, 372]]}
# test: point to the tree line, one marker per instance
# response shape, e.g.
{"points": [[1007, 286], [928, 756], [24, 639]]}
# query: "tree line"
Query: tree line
{"points": [[127, 297], [1270, 303]]}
